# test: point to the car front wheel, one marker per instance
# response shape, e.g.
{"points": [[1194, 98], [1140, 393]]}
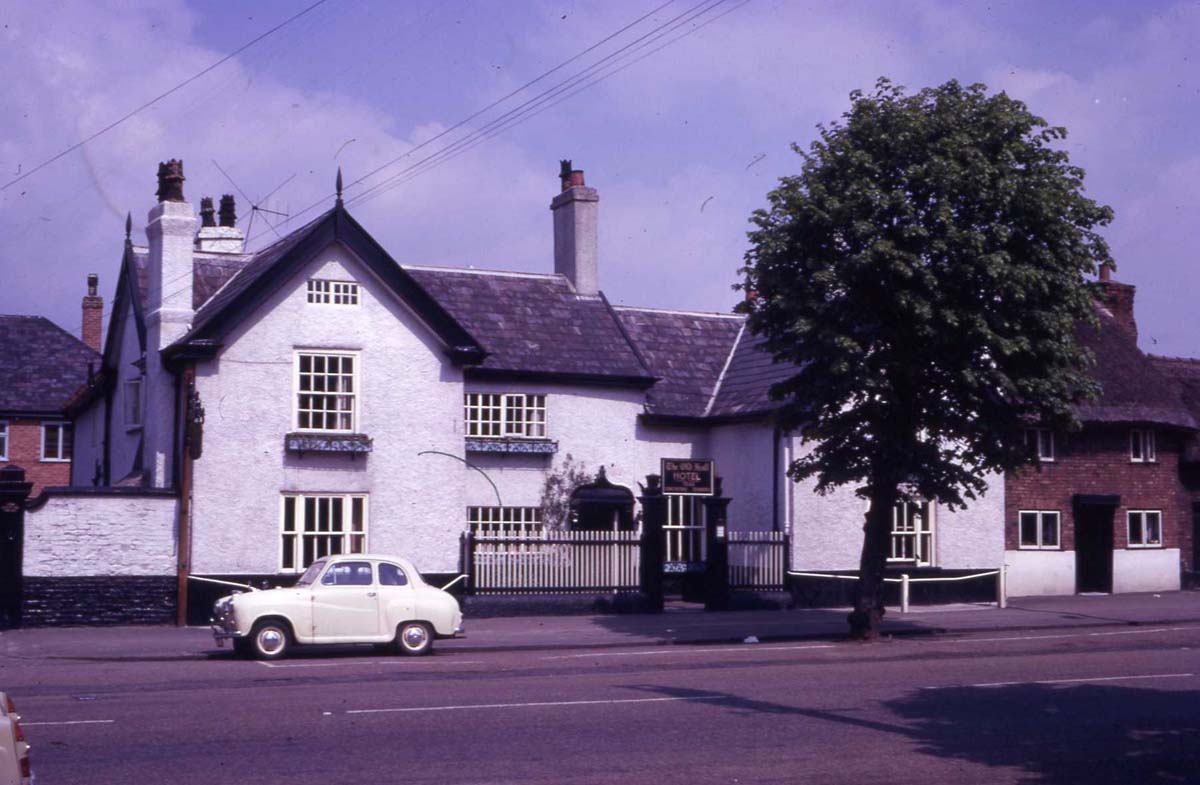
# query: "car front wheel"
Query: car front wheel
{"points": [[414, 638], [270, 640]]}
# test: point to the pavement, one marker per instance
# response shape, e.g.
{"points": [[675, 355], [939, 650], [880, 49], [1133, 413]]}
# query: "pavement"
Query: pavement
{"points": [[678, 625]]}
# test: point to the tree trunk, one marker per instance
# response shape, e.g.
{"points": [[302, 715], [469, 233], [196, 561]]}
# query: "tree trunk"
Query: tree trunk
{"points": [[868, 610]]}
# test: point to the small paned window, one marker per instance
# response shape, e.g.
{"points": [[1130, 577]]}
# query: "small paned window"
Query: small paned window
{"points": [[1145, 528], [1142, 448], [3, 441], [1039, 529], [325, 292], [325, 392], [501, 415], [57, 441], [1040, 442], [317, 526], [133, 403], [505, 521], [912, 534]]}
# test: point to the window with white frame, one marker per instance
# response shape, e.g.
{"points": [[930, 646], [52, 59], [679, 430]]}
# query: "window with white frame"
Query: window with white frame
{"points": [[1040, 442], [1039, 529], [1142, 448], [326, 292], [326, 391], [1145, 528], [133, 403], [3, 441], [505, 521], [56, 441], [500, 415], [912, 533], [318, 525]]}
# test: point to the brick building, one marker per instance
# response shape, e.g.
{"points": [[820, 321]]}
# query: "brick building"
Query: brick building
{"points": [[41, 366]]}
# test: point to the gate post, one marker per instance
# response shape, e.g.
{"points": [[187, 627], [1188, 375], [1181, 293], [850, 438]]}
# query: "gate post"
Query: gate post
{"points": [[654, 517], [467, 560], [716, 532], [13, 493]]}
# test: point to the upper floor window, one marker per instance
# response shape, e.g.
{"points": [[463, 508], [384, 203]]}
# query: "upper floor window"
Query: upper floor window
{"points": [[912, 533], [1145, 528], [325, 292], [56, 441], [1039, 529], [1040, 442], [3, 441], [497, 415], [505, 521], [326, 395], [133, 403], [318, 526], [1141, 446]]}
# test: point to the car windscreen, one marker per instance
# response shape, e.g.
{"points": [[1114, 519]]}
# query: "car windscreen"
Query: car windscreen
{"points": [[310, 575]]}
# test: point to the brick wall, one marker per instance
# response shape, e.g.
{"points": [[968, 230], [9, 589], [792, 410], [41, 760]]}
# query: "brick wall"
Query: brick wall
{"points": [[25, 450], [1096, 461]]}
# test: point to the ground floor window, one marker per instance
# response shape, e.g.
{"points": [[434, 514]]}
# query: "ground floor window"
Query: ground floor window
{"points": [[1145, 528], [506, 521], [1039, 529], [912, 534], [3, 441], [321, 525]]}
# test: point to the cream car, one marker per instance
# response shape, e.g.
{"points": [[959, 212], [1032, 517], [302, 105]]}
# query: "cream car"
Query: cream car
{"points": [[352, 598]]}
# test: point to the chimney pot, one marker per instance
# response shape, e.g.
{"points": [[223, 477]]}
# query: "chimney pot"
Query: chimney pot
{"points": [[1105, 273], [206, 212], [228, 215], [170, 181], [93, 281]]}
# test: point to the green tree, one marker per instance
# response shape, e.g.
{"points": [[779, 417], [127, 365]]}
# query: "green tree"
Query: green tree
{"points": [[924, 273]]}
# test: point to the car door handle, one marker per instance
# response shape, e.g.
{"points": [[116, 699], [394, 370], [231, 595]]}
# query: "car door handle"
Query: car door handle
{"points": [[370, 594]]}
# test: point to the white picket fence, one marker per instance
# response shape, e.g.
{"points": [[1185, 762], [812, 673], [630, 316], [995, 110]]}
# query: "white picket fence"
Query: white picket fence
{"points": [[555, 562], [757, 559]]}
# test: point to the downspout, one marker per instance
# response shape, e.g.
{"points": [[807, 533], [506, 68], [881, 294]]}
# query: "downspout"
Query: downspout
{"points": [[776, 455], [183, 470], [106, 444]]}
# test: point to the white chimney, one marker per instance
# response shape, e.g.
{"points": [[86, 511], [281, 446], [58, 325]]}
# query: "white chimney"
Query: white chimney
{"points": [[575, 246]]}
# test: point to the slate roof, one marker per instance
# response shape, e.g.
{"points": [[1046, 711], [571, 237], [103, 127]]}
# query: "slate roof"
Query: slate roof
{"points": [[209, 273], [535, 324], [1134, 390], [41, 365], [745, 391], [686, 351]]}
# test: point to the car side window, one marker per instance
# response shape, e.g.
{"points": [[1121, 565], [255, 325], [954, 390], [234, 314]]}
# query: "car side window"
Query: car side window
{"points": [[348, 573], [391, 575]]}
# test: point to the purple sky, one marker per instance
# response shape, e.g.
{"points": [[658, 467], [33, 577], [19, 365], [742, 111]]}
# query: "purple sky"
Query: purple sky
{"points": [[682, 145]]}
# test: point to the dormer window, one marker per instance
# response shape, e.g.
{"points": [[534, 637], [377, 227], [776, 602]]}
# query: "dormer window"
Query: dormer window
{"points": [[1142, 448], [1040, 442], [322, 291], [505, 415]]}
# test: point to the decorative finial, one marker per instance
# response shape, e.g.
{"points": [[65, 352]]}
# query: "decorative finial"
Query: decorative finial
{"points": [[339, 187], [128, 226]]}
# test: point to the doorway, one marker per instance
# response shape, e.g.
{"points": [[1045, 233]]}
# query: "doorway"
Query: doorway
{"points": [[1094, 547]]}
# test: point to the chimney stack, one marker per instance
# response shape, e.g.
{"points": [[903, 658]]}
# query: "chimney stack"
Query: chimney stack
{"points": [[1118, 299], [575, 230], [222, 235], [93, 315]]}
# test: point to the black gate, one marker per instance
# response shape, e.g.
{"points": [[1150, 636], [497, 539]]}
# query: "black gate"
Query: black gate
{"points": [[13, 493]]}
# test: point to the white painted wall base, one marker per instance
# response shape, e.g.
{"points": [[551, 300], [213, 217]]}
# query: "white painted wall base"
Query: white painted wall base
{"points": [[1040, 572], [1151, 569], [74, 535]]}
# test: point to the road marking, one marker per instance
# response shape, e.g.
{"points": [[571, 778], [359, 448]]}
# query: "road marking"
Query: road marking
{"points": [[744, 648], [1081, 680], [537, 704], [69, 722], [343, 663], [1070, 635]]}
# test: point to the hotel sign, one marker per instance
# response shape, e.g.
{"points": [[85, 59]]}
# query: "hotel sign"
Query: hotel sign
{"points": [[687, 477]]}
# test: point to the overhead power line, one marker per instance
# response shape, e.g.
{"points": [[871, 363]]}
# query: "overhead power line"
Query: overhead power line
{"points": [[161, 96]]}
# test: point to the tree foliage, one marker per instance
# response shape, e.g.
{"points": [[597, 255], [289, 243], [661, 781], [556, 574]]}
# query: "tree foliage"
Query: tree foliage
{"points": [[924, 272], [557, 489]]}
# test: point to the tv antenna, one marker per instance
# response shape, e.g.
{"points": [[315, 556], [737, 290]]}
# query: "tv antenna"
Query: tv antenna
{"points": [[256, 207]]}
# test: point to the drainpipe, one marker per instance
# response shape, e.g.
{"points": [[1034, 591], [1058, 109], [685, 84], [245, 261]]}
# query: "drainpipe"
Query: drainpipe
{"points": [[776, 456]]}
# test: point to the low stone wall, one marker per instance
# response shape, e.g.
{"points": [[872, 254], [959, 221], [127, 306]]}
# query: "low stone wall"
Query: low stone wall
{"points": [[147, 599]]}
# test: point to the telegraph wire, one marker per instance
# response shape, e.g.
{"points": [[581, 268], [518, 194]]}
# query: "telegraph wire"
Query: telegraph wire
{"points": [[163, 95]]}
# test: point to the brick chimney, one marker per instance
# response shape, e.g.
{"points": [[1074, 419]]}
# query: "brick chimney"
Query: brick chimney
{"points": [[575, 243], [224, 237], [1118, 299], [93, 315]]}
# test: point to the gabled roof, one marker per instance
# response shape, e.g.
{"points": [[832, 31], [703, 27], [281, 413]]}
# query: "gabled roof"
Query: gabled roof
{"points": [[270, 268], [41, 366], [536, 326], [686, 351]]}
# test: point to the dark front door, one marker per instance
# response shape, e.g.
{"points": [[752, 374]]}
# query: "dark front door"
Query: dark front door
{"points": [[1093, 548]]}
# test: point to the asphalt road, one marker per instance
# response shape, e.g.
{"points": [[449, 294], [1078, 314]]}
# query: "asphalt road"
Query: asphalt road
{"points": [[1053, 706]]}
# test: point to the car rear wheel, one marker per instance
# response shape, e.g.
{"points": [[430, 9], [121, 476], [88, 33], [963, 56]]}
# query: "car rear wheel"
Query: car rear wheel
{"points": [[414, 638], [270, 640]]}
